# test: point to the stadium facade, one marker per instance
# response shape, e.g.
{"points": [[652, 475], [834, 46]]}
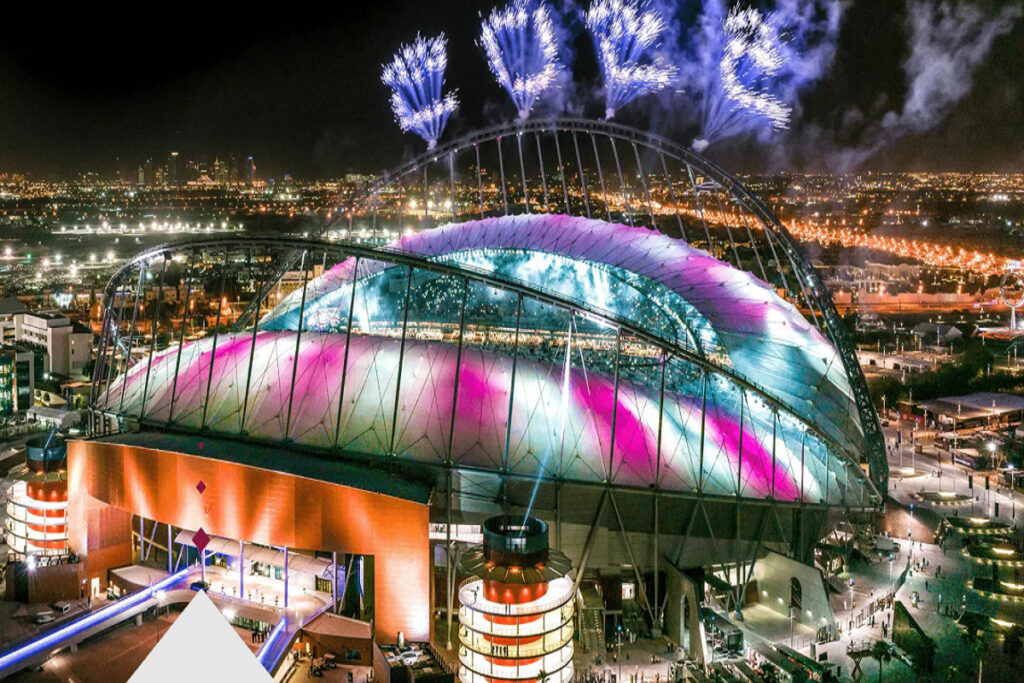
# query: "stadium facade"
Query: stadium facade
{"points": [[569, 319]]}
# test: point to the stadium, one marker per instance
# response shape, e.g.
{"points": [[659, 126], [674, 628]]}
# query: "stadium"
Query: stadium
{"points": [[566, 319]]}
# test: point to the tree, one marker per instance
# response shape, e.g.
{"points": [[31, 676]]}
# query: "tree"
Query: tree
{"points": [[1012, 645], [881, 651], [889, 387]]}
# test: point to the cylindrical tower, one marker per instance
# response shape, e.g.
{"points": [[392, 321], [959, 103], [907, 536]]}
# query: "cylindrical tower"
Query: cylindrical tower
{"points": [[37, 504], [516, 607]]}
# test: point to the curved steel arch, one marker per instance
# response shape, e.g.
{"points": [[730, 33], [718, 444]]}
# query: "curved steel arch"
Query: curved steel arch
{"points": [[813, 293], [398, 257]]}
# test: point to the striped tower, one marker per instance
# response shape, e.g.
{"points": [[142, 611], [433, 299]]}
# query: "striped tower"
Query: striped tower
{"points": [[37, 503], [516, 607]]}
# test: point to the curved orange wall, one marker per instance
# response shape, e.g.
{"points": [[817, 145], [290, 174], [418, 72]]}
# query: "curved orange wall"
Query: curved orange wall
{"points": [[264, 507]]}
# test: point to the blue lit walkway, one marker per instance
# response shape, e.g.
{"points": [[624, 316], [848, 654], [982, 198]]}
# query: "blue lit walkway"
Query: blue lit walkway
{"points": [[40, 648]]}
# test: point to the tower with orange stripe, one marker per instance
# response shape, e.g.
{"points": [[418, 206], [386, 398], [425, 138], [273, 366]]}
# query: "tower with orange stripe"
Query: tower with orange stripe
{"points": [[37, 503], [516, 613]]}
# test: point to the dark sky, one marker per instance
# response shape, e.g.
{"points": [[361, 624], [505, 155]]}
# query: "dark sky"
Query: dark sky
{"points": [[300, 89]]}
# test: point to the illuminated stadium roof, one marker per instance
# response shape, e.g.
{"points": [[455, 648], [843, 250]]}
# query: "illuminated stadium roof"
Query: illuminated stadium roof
{"points": [[576, 349]]}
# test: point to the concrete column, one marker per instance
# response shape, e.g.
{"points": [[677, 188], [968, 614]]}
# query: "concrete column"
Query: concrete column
{"points": [[334, 583], [286, 577], [241, 569], [202, 564], [170, 550]]}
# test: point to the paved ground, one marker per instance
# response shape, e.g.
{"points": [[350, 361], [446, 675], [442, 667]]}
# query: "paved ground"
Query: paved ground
{"points": [[906, 515], [300, 672], [642, 662]]}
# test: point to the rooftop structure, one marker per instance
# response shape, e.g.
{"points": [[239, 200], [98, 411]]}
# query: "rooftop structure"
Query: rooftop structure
{"points": [[980, 408]]}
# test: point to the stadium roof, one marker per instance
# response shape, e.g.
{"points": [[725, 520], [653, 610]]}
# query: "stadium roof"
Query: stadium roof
{"points": [[764, 337], [457, 362]]}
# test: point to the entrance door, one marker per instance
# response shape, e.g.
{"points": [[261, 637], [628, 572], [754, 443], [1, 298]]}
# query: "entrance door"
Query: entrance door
{"points": [[94, 588]]}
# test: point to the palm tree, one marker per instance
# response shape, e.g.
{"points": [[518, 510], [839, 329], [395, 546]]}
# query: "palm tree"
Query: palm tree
{"points": [[882, 652]]}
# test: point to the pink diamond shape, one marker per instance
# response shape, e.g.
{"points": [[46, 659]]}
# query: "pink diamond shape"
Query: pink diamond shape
{"points": [[200, 486], [201, 539]]}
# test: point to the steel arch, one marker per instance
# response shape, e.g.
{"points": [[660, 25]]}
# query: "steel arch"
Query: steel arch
{"points": [[816, 298]]}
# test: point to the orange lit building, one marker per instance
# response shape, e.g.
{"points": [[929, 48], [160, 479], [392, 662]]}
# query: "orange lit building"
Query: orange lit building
{"points": [[154, 478]]}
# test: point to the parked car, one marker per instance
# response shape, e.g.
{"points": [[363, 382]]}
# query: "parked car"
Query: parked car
{"points": [[44, 616], [199, 585]]}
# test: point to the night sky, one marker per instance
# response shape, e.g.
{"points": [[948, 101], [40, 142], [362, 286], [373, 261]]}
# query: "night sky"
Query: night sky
{"points": [[300, 91]]}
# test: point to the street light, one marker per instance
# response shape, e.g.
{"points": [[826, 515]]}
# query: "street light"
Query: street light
{"points": [[792, 615], [1013, 490]]}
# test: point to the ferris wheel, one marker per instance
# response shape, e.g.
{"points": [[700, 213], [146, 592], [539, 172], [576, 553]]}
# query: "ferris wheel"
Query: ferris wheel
{"points": [[1011, 291]]}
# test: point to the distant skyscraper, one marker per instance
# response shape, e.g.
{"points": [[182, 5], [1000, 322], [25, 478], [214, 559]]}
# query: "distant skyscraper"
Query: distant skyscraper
{"points": [[252, 171], [175, 170]]}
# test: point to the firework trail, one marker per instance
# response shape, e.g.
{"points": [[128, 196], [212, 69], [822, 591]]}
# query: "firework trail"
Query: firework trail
{"points": [[416, 78], [624, 32], [522, 51]]}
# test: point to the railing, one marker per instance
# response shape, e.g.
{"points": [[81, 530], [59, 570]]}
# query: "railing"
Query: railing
{"points": [[563, 675], [39, 645], [550, 621], [537, 646], [560, 591], [550, 664]]}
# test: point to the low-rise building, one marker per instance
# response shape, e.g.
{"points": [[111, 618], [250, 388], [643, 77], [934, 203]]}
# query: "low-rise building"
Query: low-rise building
{"points": [[67, 345], [9, 307], [17, 380]]}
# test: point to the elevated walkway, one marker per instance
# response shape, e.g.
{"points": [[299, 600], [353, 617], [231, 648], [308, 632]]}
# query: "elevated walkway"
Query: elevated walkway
{"points": [[34, 652]]}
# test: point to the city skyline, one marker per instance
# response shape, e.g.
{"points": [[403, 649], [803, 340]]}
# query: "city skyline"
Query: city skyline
{"points": [[305, 96]]}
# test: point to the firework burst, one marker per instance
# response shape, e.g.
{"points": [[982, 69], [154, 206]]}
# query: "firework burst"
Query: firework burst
{"points": [[416, 78], [752, 53], [624, 33], [522, 51]]}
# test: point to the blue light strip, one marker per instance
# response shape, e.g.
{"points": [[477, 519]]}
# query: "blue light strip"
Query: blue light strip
{"points": [[271, 644], [56, 637]]}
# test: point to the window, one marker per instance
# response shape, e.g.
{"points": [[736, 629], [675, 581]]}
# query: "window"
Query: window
{"points": [[628, 590]]}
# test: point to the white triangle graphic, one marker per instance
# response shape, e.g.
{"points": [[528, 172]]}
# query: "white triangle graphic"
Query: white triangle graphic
{"points": [[200, 646]]}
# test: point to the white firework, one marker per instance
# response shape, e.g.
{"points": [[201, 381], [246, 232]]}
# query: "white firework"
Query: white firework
{"points": [[519, 40], [624, 33], [750, 40], [416, 78]]}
